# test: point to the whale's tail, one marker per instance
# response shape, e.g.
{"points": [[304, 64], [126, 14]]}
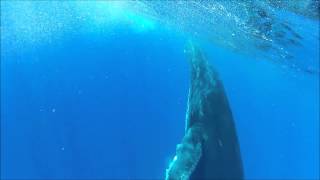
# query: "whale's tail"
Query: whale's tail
{"points": [[210, 148]]}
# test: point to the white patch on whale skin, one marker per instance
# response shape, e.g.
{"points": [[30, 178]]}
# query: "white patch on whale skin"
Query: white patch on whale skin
{"points": [[220, 143]]}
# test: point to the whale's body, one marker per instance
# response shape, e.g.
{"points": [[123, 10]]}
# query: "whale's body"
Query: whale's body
{"points": [[210, 148]]}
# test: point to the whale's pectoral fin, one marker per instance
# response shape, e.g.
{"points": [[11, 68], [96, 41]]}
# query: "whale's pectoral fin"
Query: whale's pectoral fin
{"points": [[188, 154]]}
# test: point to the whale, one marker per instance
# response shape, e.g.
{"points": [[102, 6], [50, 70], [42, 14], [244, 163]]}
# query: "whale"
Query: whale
{"points": [[210, 147]]}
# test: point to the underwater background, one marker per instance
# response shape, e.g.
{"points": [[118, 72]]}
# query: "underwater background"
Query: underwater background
{"points": [[98, 89]]}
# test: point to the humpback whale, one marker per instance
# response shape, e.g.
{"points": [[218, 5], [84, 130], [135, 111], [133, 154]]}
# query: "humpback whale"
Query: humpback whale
{"points": [[209, 148]]}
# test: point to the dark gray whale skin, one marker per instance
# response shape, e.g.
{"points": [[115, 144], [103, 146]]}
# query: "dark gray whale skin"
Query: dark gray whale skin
{"points": [[210, 148]]}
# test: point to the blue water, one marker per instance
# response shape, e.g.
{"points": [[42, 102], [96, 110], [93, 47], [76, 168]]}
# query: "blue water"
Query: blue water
{"points": [[108, 101]]}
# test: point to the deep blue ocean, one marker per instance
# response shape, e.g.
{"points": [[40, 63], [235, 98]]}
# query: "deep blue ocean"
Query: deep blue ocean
{"points": [[82, 98]]}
